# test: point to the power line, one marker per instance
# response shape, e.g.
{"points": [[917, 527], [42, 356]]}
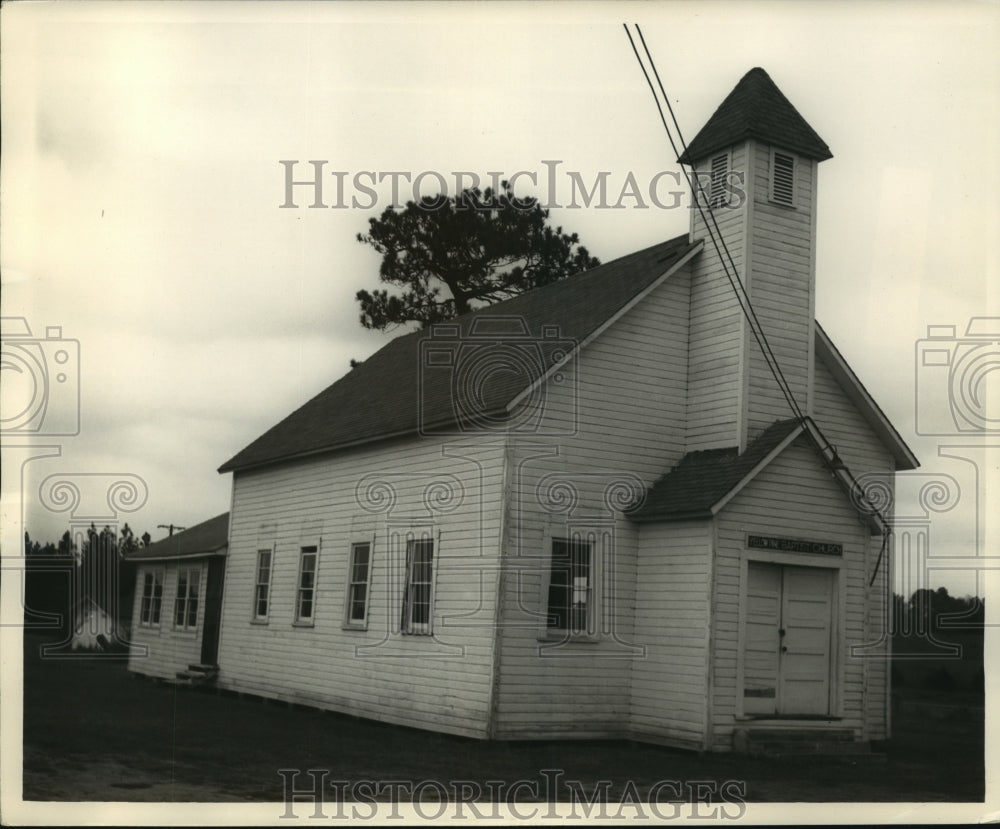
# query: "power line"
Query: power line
{"points": [[742, 296], [715, 233]]}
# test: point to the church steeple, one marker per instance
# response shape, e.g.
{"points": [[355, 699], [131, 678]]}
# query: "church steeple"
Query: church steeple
{"points": [[757, 161], [756, 109]]}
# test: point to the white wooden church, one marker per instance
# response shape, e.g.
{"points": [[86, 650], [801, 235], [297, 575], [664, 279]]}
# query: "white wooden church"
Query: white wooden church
{"points": [[589, 511]]}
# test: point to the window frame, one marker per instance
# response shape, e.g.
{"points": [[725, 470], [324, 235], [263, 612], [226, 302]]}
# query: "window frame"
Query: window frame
{"points": [[183, 604], [156, 578], [551, 627], [353, 584], [772, 197], [256, 616], [408, 626], [305, 551]]}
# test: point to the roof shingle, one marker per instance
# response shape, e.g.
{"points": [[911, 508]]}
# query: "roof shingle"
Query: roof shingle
{"points": [[206, 538], [406, 386], [703, 478], [756, 108]]}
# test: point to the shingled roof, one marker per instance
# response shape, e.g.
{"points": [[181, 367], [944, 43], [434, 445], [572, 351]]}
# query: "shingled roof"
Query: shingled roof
{"points": [[210, 537], [756, 108], [409, 384], [703, 478]]}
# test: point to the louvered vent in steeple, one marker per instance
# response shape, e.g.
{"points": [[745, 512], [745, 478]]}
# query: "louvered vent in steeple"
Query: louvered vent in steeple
{"points": [[783, 178], [717, 187]]}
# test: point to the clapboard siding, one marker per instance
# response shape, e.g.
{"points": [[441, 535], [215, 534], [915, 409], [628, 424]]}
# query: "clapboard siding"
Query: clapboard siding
{"points": [[168, 650], [792, 497], [380, 492], [865, 455], [842, 423], [672, 622], [780, 282], [717, 331], [618, 427]]}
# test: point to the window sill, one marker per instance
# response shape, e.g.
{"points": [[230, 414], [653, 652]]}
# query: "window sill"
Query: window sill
{"points": [[359, 626], [787, 718], [306, 623], [565, 636], [261, 622]]}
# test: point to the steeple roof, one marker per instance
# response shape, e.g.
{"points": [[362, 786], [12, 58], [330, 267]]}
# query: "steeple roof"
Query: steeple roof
{"points": [[756, 108]]}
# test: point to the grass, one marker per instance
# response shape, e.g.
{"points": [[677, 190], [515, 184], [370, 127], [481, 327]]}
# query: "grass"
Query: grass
{"points": [[94, 732]]}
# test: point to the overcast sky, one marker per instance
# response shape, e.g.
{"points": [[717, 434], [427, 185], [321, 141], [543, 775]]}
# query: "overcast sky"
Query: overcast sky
{"points": [[141, 190]]}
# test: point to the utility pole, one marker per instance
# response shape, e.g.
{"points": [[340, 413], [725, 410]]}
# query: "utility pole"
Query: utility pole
{"points": [[170, 527]]}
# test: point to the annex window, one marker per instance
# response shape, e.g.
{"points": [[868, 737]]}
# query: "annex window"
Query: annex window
{"points": [[152, 598], [718, 193], [570, 586], [186, 605], [305, 599], [262, 585], [358, 583], [418, 591], [782, 178]]}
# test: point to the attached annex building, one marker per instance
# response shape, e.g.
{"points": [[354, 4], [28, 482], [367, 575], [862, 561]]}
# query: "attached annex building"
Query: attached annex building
{"points": [[589, 511], [178, 602]]}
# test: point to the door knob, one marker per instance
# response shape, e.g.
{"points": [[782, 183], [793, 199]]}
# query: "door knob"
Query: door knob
{"points": [[781, 632], [784, 649]]}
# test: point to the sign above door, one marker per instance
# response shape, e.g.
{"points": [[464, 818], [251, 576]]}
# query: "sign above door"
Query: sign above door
{"points": [[794, 545]]}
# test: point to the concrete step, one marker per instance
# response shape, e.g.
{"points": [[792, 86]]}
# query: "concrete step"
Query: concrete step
{"points": [[868, 759], [197, 675], [802, 744], [805, 734], [771, 747]]}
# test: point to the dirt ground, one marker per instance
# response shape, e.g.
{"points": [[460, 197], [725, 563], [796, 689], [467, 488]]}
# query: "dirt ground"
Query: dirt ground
{"points": [[93, 732]]}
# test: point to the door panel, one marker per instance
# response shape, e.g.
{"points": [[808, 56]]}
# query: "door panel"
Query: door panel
{"points": [[807, 603], [760, 659]]}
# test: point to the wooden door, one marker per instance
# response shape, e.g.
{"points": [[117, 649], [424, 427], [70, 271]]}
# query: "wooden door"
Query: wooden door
{"points": [[806, 616], [213, 610], [787, 640]]}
